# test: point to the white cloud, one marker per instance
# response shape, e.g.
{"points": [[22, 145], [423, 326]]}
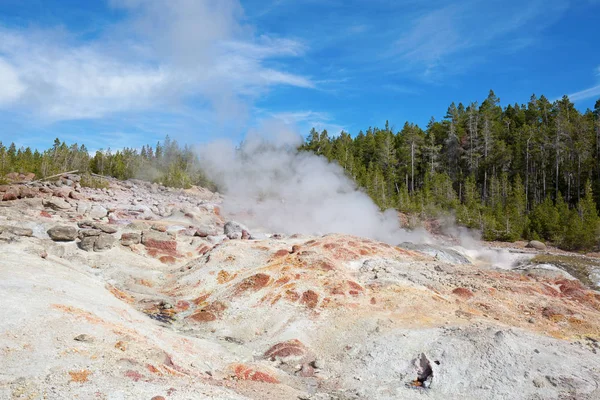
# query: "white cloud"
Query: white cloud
{"points": [[163, 53], [11, 87]]}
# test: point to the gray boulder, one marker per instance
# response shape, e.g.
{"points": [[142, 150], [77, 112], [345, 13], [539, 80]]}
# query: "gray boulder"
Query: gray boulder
{"points": [[105, 228], [535, 244], [83, 233], [131, 238], [97, 212], [15, 230], [104, 242], [100, 242], [63, 233], [205, 231], [57, 204], [235, 230], [440, 253], [87, 243]]}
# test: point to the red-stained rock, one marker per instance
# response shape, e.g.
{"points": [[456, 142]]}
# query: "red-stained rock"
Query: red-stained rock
{"points": [[572, 289], [209, 313], [355, 286], [253, 283], [292, 296], [247, 373], [202, 250], [26, 192], [158, 398], [133, 375], [45, 214], [286, 351], [202, 316], [310, 299], [10, 195], [245, 234], [159, 241], [281, 253], [167, 259], [159, 228], [130, 238], [463, 292]]}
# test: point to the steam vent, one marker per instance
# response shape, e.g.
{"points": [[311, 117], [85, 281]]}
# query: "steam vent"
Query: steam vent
{"points": [[299, 200], [141, 290]]}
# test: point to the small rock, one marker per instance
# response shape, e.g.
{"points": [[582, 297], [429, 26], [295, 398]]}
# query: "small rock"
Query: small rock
{"points": [[206, 231], [57, 204], [16, 230], [84, 338], [104, 241], [83, 233], [63, 233], [234, 230], [82, 207], [130, 238], [62, 192], [105, 228], [98, 212], [44, 254], [137, 226], [26, 192], [158, 240], [87, 243], [76, 196], [159, 228], [216, 239]]}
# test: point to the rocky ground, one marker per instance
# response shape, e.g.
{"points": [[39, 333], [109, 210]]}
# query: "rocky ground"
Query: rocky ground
{"points": [[143, 292]]}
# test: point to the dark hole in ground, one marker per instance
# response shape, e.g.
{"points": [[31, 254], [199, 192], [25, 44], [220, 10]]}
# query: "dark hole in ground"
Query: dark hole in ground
{"points": [[161, 312], [424, 372]]}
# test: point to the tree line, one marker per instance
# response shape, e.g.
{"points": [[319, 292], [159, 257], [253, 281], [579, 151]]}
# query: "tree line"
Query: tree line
{"points": [[526, 171], [167, 163]]}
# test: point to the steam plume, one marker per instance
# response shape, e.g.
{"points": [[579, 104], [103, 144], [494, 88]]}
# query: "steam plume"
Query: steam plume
{"points": [[270, 184]]}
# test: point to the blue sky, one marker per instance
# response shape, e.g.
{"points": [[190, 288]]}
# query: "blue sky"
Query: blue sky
{"points": [[116, 73]]}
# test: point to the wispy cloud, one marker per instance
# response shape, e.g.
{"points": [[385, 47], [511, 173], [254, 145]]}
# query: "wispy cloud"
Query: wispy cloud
{"points": [[445, 38], [307, 119], [400, 88], [161, 55], [584, 94]]}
